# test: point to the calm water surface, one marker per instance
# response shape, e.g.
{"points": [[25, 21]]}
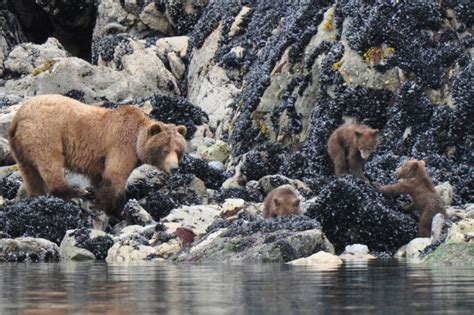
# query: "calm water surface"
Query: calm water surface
{"points": [[380, 287]]}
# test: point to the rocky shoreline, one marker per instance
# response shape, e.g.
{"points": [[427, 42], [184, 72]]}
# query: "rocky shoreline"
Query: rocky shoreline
{"points": [[260, 86]]}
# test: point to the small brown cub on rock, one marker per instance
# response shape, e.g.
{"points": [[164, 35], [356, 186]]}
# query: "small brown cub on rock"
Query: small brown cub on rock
{"points": [[53, 132], [415, 182], [283, 200], [349, 146]]}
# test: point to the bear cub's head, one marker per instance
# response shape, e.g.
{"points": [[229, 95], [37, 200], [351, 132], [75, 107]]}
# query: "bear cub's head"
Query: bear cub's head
{"points": [[410, 169], [367, 140], [162, 145]]}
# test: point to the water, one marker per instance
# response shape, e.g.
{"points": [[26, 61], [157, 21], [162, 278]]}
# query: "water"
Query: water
{"points": [[380, 287]]}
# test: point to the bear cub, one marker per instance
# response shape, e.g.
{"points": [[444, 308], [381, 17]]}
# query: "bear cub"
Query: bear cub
{"points": [[283, 200], [415, 182], [51, 132], [349, 146]]}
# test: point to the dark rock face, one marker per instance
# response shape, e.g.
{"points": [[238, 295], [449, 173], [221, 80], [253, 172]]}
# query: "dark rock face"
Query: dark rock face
{"points": [[10, 184], [351, 212], [71, 22], [105, 48], [44, 217], [182, 14], [176, 110], [99, 245]]}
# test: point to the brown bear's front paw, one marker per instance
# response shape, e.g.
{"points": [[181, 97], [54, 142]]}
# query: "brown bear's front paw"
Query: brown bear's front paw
{"points": [[377, 186]]}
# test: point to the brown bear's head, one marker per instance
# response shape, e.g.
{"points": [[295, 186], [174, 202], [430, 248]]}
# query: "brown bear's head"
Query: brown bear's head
{"points": [[286, 201], [162, 145], [367, 140], [410, 169]]}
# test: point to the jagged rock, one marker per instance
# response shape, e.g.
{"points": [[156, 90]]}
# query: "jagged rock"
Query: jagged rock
{"points": [[437, 228], [176, 44], [85, 245], [249, 238], [209, 87], [27, 57], [320, 259], [28, 249], [155, 20]]}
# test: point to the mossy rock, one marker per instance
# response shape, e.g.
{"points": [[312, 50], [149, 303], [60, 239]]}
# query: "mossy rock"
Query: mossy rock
{"points": [[454, 254]]}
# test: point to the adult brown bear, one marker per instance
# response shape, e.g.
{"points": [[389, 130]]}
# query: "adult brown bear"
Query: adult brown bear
{"points": [[51, 132]]}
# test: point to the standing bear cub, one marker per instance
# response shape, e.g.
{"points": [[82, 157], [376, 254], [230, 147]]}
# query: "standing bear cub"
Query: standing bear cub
{"points": [[51, 132], [415, 182], [349, 146], [283, 200]]}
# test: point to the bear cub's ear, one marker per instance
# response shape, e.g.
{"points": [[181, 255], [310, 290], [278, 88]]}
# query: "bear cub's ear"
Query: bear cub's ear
{"points": [[154, 129], [182, 130]]}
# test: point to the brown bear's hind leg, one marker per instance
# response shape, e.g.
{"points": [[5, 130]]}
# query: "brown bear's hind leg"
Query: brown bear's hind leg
{"points": [[53, 176], [356, 164], [32, 181], [424, 227], [336, 152]]}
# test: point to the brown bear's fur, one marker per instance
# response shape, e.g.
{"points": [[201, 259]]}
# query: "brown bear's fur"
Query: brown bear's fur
{"points": [[53, 132], [283, 200], [349, 146], [415, 182]]}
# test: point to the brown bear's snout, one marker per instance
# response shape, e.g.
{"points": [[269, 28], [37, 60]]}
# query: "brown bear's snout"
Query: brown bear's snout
{"points": [[171, 163]]}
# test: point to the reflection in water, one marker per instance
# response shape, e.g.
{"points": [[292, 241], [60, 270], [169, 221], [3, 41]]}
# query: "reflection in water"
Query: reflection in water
{"points": [[78, 288]]}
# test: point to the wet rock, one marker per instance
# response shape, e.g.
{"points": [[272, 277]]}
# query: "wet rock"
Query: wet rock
{"points": [[85, 244], [130, 251], [249, 238], [264, 160], [356, 249], [351, 211], [320, 259], [28, 249], [143, 180], [452, 254], [27, 57], [43, 217], [135, 214], [415, 248]]}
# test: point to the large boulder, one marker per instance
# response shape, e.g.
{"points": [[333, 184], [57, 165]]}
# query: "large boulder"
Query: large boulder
{"points": [[85, 244], [250, 238], [28, 249]]}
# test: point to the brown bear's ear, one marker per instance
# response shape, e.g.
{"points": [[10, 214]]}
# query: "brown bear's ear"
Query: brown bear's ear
{"points": [[421, 162], [296, 203], [277, 202], [182, 130], [154, 129], [358, 134]]}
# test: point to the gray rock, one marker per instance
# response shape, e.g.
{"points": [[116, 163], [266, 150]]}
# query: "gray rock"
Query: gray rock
{"points": [[195, 218], [28, 249], [320, 259], [11, 34], [249, 238], [85, 244], [25, 58], [69, 250], [445, 190]]}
